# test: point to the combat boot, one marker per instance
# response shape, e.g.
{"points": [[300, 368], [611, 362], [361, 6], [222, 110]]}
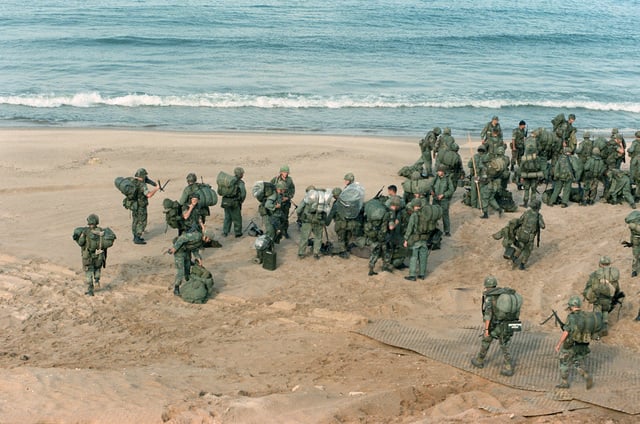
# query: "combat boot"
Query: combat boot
{"points": [[138, 240], [387, 268], [89, 291], [638, 317], [485, 215], [524, 204], [176, 290], [371, 271], [507, 369], [564, 384], [522, 266], [96, 284], [587, 377], [478, 361], [634, 274]]}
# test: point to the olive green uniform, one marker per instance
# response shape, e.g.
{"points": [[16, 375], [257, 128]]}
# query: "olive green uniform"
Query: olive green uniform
{"points": [[285, 207], [574, 349], [92, 257], [139, 208], [232, 206], [186, 245], [312, 224], [600, 289], [443, 186]]}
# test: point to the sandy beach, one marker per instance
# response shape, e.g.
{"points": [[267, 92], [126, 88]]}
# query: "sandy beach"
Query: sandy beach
{"points": [[271, 346]]}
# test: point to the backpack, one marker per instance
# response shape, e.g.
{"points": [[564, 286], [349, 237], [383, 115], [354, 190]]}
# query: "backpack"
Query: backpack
{"points": [[588, 326], [496, 165], [318, 200], [199, 287], [107, 238], [375, 210], [448, 158], [428, 218], [505, 200], [208, 196], [558, 120], [126, 186], [633, 217], [350, 201], [172, 213], [506, 304], [578, 166], [262, 190], [227, 184], [601, 285]]}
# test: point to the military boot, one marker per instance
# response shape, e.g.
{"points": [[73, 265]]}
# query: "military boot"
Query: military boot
{"points": [[371, 271], [485, 215], [587, 377], [96, 284], [138, 240], [507, 369], [478, 361], [89, 291], [525, 204], [176, 290], [387, 268], [564, 384], [638, 317]]}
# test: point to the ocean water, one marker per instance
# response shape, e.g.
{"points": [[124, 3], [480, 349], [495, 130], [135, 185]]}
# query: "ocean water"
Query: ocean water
{"points": [[377, 67]]}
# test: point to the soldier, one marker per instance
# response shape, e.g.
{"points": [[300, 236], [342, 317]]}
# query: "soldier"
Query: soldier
{"points": [[493, 328], [585, 147], [602, 286], [517, 144], [233, 206], [528, 228], [442, 192], [489, 182], [563, 175], [620, 188], [621, 144], [193, 215], [89, 238], [191, 188], [495, 141], [573, 345], [417, 233], [398, 221], [375, 230], [634, 228], [184, 247], [276, 212], [287, 196], [340, 225], [428, 147], [447, 142], [311, 224], [474, 167], [594, 169], [489, 127], [634, 166], [141, 201], [530, 170]]}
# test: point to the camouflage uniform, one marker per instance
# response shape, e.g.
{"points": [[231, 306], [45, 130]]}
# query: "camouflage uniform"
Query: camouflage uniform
{"points": [[474, 168], [276, 213], [428, 147], [184, 247], [415, 237], [312, 224], [573, 346], [563, 175], [600, 289], [139, 205], [634, 166], [620, 188], [619, 141], [634, 228], [529, 225], [493, 329], [517, 143], [441, 193], [233, 206], [488, 188], [398, 221], [489, 127], [287, 196], [376, 233], [594, 169], [92, 258], [192, 188]]}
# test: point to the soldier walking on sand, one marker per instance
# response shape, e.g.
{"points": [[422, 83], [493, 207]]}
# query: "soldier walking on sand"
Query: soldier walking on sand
{"points": [[573, 346], [140, 203]]}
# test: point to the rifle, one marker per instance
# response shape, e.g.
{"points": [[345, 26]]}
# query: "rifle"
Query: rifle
{"points": [[149, 181], [538, 229], [554, 314], [617, 300], [475, 171], [163, 186], [379, 192], [626, 243]]}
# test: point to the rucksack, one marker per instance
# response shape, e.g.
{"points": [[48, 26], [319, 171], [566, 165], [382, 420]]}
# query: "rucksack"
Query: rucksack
{"points": [[588, 325], [98, 239], [601, 285], [375, 210], [199, 287], [208, 196], [577, 166], [107, 238], [126, 186], [318, 200], [496, 165], [262, 190], [172, 213], [428, 218], [633, 217], [227, 184], [350, 201], [448, 158], [506, 304]]}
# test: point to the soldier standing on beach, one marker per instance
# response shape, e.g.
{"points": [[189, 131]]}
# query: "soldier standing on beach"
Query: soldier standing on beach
{"points": [[602, 286], [517, 144], [286, 197], [140, 203], [488, 129], [93, 242], [428, 147], [232, 205]]}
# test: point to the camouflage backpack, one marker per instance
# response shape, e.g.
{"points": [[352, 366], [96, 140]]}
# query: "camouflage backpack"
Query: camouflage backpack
{"points": [[588, 326], [172, 213], [227, 184], [601, 285], [506, 304], [199, 287]]}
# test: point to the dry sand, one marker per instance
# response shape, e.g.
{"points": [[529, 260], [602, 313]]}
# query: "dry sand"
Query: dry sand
{"points": [[271, 346]]}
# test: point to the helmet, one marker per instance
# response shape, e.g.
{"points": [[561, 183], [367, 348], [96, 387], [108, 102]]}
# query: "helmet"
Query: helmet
{"points": [[284, 168], [415, 202], [93, 219], [437, 131], [500, 150], [396, 201], [614, 131], [605, 260], [575, 301], [280, 185], [572, 116], [167, 203], [595, 151], [191, 178], [195, 195], [490, 282], [535, 204], [482, 148], [238, 172], [442, 168], [522, 123], [586, 134], [447, 131], [336, 192], [141, 173], [637, 134], [349, 177], [309, 188]]}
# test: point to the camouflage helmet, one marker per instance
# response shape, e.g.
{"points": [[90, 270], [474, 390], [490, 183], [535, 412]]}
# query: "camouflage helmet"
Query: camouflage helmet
{"points": [[595, 151], [575, 301], [167, 203], [191, 178], [309, 188], [495, 118], [416, 202], [284, 168], [336, 192], [349, 177], [490, 282], [442, 168], [522, 123], [93, 219], [637, 134], [281, 185], [482, 148], [614, 131], [535, 204], [572, 116], [437, 131], [195, 195], [238, 172], [586, 135], [415, 175], [605, 260], [396, 201], [141, 173], [447, 131]]}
